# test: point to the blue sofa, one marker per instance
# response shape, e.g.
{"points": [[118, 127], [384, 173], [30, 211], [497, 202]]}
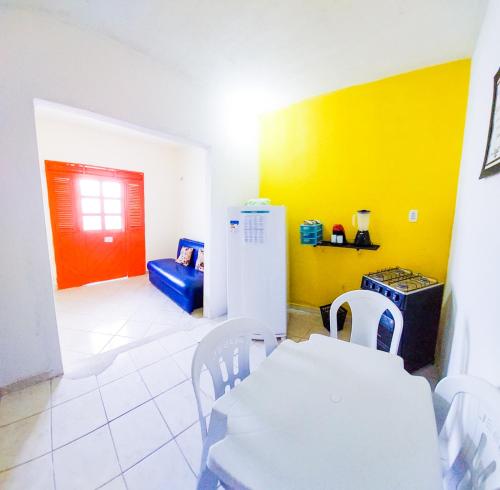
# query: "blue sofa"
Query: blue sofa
{"points": [[183, 284]]}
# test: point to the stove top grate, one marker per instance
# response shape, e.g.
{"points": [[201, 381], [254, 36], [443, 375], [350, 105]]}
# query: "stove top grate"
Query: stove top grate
{"points": [[404, 280]]}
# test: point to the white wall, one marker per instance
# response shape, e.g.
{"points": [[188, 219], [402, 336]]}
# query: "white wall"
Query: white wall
{"points": [[471, 339], [192, 183], [173, 173], [46, 59]]}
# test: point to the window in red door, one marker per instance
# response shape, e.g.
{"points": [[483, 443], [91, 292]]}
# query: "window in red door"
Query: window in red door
{"points": [[101, 204]]}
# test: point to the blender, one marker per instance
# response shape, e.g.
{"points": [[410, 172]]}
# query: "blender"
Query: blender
{"points": [[363, 221]]}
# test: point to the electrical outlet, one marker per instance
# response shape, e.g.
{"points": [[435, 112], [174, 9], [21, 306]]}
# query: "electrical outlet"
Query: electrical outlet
{"points": [[413, 215]]}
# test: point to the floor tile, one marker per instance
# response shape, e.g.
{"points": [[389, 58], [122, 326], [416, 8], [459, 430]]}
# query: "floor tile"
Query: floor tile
{"points": [[162, 375], [110, 326], [170, 316], [148, 354], [165, 469], [71, 358], [76, 321], [106, 316], [116, 342], [64, 388], [178, 406], [76, 418], [81, 341], [23, 403], [121, 366], [91, 322], [24, 440], [138, 433], [177, 341], [199, 332], [157, 328], [34, 475], [86, 463], [190, 443], [123, 395], [184, 359], [135, 330], [116, 484]]}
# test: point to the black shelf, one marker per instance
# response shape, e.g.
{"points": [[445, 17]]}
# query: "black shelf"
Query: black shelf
{"points": [[325, 243]]}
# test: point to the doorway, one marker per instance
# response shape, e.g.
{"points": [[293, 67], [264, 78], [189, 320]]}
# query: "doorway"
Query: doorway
{"points": [[115, 306], [97, 218]]}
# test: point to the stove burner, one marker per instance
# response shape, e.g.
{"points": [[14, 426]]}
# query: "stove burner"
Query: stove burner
{"points": [[403, 280], [390, 274]]}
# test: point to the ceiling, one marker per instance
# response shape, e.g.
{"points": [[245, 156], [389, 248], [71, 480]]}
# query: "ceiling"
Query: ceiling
{"points": [[292, 49]]}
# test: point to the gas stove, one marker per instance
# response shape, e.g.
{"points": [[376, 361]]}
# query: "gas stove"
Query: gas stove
{"points": [[419, 299], [403, 280]]}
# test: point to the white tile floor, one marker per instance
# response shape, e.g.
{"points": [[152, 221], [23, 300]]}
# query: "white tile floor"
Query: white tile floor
{"points": [[104, 316], [132, 426]]}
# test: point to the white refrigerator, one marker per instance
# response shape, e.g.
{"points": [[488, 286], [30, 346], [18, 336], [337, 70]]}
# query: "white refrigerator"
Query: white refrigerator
{"points": [[257, 265]]}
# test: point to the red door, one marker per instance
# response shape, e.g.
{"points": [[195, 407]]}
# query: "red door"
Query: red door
{"points": [[97, 217]]}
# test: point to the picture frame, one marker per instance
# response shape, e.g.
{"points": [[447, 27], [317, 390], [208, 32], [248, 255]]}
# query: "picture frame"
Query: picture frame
{"points": [[491, 164]]}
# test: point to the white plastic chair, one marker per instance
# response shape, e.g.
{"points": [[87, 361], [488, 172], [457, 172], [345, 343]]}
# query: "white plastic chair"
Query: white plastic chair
{"points": [[225, 351], [468, 421], [366, 309]]}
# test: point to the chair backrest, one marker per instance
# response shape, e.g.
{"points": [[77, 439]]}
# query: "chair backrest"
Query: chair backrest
{"points": [[225, 351], [196, 246], [367, 308], [468, 420]]}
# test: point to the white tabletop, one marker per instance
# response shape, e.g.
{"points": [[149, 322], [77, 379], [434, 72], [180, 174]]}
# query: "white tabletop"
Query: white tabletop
{"points": [[327, 414]]}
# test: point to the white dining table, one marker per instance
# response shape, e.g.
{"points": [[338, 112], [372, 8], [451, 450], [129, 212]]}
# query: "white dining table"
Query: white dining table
{"points": [[325, 414]]}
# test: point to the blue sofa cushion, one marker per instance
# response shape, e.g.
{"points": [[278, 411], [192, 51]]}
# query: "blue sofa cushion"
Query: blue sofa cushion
{"points": [[182, 278]]}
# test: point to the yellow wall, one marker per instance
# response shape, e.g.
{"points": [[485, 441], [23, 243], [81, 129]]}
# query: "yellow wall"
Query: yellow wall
{"points": [[388, 146]]}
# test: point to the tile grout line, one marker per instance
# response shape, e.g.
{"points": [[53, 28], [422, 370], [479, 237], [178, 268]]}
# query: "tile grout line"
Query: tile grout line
{"points": [[115, 294], [77, 396], [80, 437], [174, 437], [154, 336], [159, 411], [113, 479], [24, 462], [145, 457], [169, 355], [164, 421], [25, 418], [127, 411], [112, 439], [116, 335], [160, 335]]}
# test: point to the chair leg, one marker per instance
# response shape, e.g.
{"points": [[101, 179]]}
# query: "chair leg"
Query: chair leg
{"points": [[207, 480], [216, 431]]}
